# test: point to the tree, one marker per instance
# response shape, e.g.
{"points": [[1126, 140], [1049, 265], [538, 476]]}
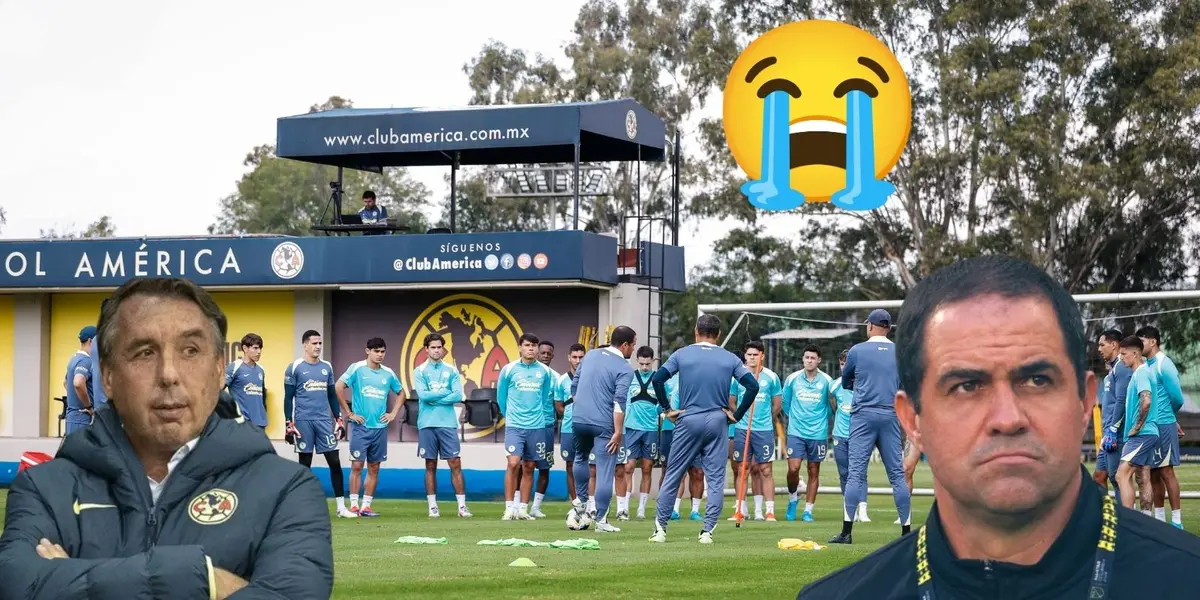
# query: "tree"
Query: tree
{"points": [[101, 228], [3, 218], [286, 197]]}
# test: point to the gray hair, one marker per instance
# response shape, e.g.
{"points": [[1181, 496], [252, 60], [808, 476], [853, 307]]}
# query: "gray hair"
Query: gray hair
{"points": [[160, 287]]}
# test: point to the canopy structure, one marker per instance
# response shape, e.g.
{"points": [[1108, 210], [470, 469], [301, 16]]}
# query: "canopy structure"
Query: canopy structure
{"points": [[370, 139]]}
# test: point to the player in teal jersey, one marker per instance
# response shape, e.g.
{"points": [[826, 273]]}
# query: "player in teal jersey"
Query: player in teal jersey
{"points": [[767, 406], [642, 415], [810, 404], [564, 405], [1141, 450], [439, 387], [1169, 399], [542, 479], [372, 386], [841, 439], [522, 391]]}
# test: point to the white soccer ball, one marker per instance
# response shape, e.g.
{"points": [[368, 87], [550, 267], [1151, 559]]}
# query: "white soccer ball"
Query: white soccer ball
{"points": [[578, 520]]}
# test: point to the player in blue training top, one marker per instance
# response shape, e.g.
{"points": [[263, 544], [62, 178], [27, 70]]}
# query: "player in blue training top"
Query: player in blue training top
{"points": [[767, 407], [1141, 449], [78, 383], [1168, 400], [694, 480], [546, 463], [809, 403], [641, 432], [871, 373], [522, 391], [841, 435], [313, 418], [439, 387], [702, 419], [246, 379], [372, 386], [98, 396], [1112, 408], [565, 406]]}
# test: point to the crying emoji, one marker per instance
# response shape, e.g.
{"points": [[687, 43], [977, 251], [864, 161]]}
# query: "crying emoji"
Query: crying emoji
{"points": [[817, 111]]}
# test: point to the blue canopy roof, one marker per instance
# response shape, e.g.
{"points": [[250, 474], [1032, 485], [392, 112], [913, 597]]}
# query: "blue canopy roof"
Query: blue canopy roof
{"points": [[368, 139]]}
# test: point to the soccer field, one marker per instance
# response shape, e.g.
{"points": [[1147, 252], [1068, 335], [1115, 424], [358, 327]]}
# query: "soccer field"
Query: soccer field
{"points": [[742, 563]]}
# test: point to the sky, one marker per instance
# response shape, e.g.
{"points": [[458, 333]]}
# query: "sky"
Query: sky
{"points": [[144, 111]]}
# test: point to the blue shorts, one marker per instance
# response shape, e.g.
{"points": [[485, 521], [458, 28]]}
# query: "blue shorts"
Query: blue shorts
{"points": [[315, 436], [762, 445], [813, 451], [622, 455], [529, 444], [438, 443], [641, 444], [547, 459], [368, 444], [1168, 445], [566, 439], [664, 443], [1141, 451], [1109, 461]]}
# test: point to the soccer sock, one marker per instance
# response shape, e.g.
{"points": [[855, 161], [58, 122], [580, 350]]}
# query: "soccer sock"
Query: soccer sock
{"points": [[808, 507], [758, 502], [524, 508], [462, 500], [537, 500], [847, 527], [353, 500], [862, 508], [1177, 516], [677, 502], [695, 505], [432, 498], [1160, 513], [592, 504], [1146, 512], [341, 503], [508, 506], [770, 507], [642, 502], [904, 529], [517, 497], [794, 496], [367, 501]]}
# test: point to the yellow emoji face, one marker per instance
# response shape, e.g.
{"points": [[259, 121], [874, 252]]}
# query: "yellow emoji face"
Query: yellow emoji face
{"points": [[817, 63]]}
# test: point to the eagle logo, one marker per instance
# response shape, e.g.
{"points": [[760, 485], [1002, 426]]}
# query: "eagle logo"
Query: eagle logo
{"points": [[213, 507]]}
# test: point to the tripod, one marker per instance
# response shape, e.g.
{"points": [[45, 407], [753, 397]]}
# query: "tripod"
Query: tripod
{"points": [[335, 200]]}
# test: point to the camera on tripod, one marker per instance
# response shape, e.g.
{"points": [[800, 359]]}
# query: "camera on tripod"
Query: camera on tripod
{"points": [[335, 186]]}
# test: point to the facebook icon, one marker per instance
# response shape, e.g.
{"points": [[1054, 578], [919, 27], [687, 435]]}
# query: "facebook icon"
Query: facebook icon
{"points": [[506, 261]]}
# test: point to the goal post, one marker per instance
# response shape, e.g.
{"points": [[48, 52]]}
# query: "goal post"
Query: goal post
{"points": [[1176, 313]]}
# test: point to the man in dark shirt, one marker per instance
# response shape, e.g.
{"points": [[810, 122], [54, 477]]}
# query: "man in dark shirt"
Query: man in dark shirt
{"points": [[372, 213], [993, 357]]}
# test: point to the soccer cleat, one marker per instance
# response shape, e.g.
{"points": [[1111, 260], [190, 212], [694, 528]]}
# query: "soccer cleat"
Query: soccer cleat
{"points": [[354, 509], [641, 516], [464, 513], [660, 534], [674, 515], [706, 537], [367, 512], [897, 522], [509, 515], [622, 516], [841, 538], [347, 514], [791, 509], [604, 527], [1177, 525], [695, 516], [524, 516], [759, 517], [806, 517], [862, 517], [770, 517], [537, 513], [434, 513]]}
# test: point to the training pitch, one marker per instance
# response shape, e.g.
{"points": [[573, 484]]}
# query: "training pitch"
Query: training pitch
{"points": [[741, 563]]}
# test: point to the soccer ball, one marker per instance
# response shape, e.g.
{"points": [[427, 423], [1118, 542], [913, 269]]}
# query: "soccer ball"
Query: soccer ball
{"points": [[578, 520]]}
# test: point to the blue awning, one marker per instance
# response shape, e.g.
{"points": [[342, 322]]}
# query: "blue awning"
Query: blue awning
{"points": [[369, 139]]}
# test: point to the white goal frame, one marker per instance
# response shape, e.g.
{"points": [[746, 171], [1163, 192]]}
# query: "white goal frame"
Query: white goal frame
{"points": [[779, 307]]}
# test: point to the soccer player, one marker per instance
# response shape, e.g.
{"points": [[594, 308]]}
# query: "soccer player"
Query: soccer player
{"points": [[546, 463], [439, 387], [565, 406], [78, 383], [372, 386], [522, 391], [871, 373], [1141, 450], [809, 402], [841, 435], [641, 425], [767, 405], [1112, 409], [245, 379], [601, 389], [702, 420], [313, 416], [1168, 401], [694, 480], [98, 397]]}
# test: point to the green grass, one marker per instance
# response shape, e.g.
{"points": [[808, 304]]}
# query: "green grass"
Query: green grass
{"points": [[743, 563]]}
